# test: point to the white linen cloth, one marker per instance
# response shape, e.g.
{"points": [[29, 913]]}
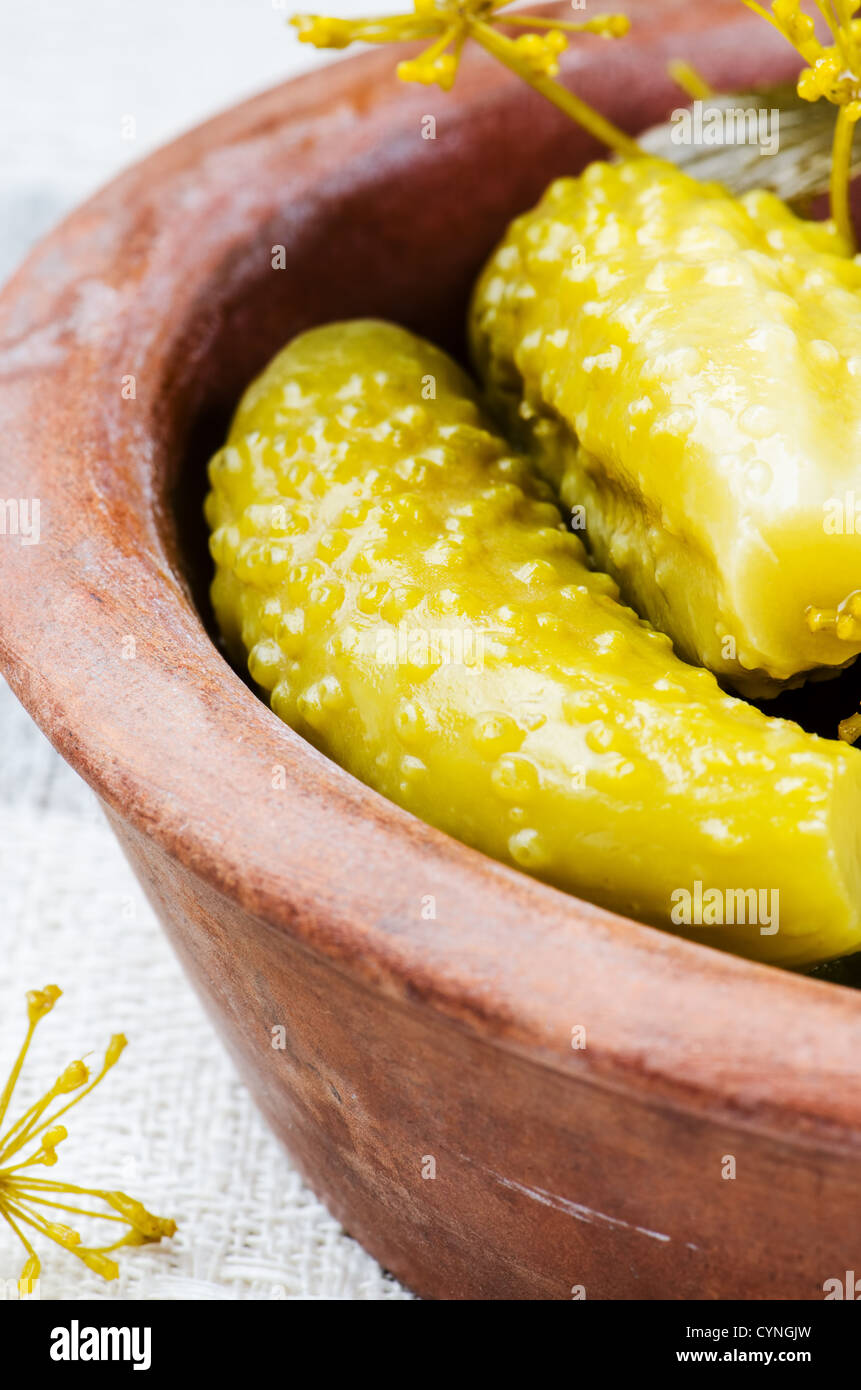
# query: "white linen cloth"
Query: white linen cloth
{"points": [[172, 1124]]}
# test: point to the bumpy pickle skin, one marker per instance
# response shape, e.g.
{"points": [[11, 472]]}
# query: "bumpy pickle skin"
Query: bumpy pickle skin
{"points": [[408, 597], [686, 366]]}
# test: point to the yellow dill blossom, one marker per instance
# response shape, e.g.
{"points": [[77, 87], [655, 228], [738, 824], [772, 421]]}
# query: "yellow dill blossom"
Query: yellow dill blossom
{"points": [[833, 71], [32, 1203], [450, 23]]}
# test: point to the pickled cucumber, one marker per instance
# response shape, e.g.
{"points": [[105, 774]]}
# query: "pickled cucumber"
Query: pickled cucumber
{"points": [[408, 597], [686, 367]]}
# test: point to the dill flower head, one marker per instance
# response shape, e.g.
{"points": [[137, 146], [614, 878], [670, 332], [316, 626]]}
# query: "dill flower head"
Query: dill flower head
{"points": [[448, 24], [31, 1203], [833, 71]]}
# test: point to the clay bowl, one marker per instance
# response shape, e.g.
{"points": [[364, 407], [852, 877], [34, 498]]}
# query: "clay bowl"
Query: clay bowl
{"points": [[306, 907]]}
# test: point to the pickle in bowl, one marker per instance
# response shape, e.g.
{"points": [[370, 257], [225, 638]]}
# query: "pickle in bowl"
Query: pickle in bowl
{"points": [[685, 366], [404, 589]]}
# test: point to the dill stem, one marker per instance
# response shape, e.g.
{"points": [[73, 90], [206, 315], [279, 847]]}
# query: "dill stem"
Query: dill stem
{"points": [[841, 160], [592, 121]]}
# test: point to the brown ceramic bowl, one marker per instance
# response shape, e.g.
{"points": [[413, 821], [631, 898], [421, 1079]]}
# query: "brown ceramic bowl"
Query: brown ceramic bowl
{"points": [[405, 1038]]}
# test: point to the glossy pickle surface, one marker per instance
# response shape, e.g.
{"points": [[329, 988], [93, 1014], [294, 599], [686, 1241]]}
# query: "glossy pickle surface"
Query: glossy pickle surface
{"points": [[406, 593], [686, 366]]}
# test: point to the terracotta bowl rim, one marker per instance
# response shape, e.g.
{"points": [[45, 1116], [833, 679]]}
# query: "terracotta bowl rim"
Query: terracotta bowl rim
{"points": [[509, 958]]}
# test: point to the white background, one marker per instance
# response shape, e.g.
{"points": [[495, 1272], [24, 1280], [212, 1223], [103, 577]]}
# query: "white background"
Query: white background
{"points": [[171, 1124]]}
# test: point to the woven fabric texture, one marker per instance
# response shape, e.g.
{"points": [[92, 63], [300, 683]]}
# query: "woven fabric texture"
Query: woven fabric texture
{"points": [[171, 1124]]}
